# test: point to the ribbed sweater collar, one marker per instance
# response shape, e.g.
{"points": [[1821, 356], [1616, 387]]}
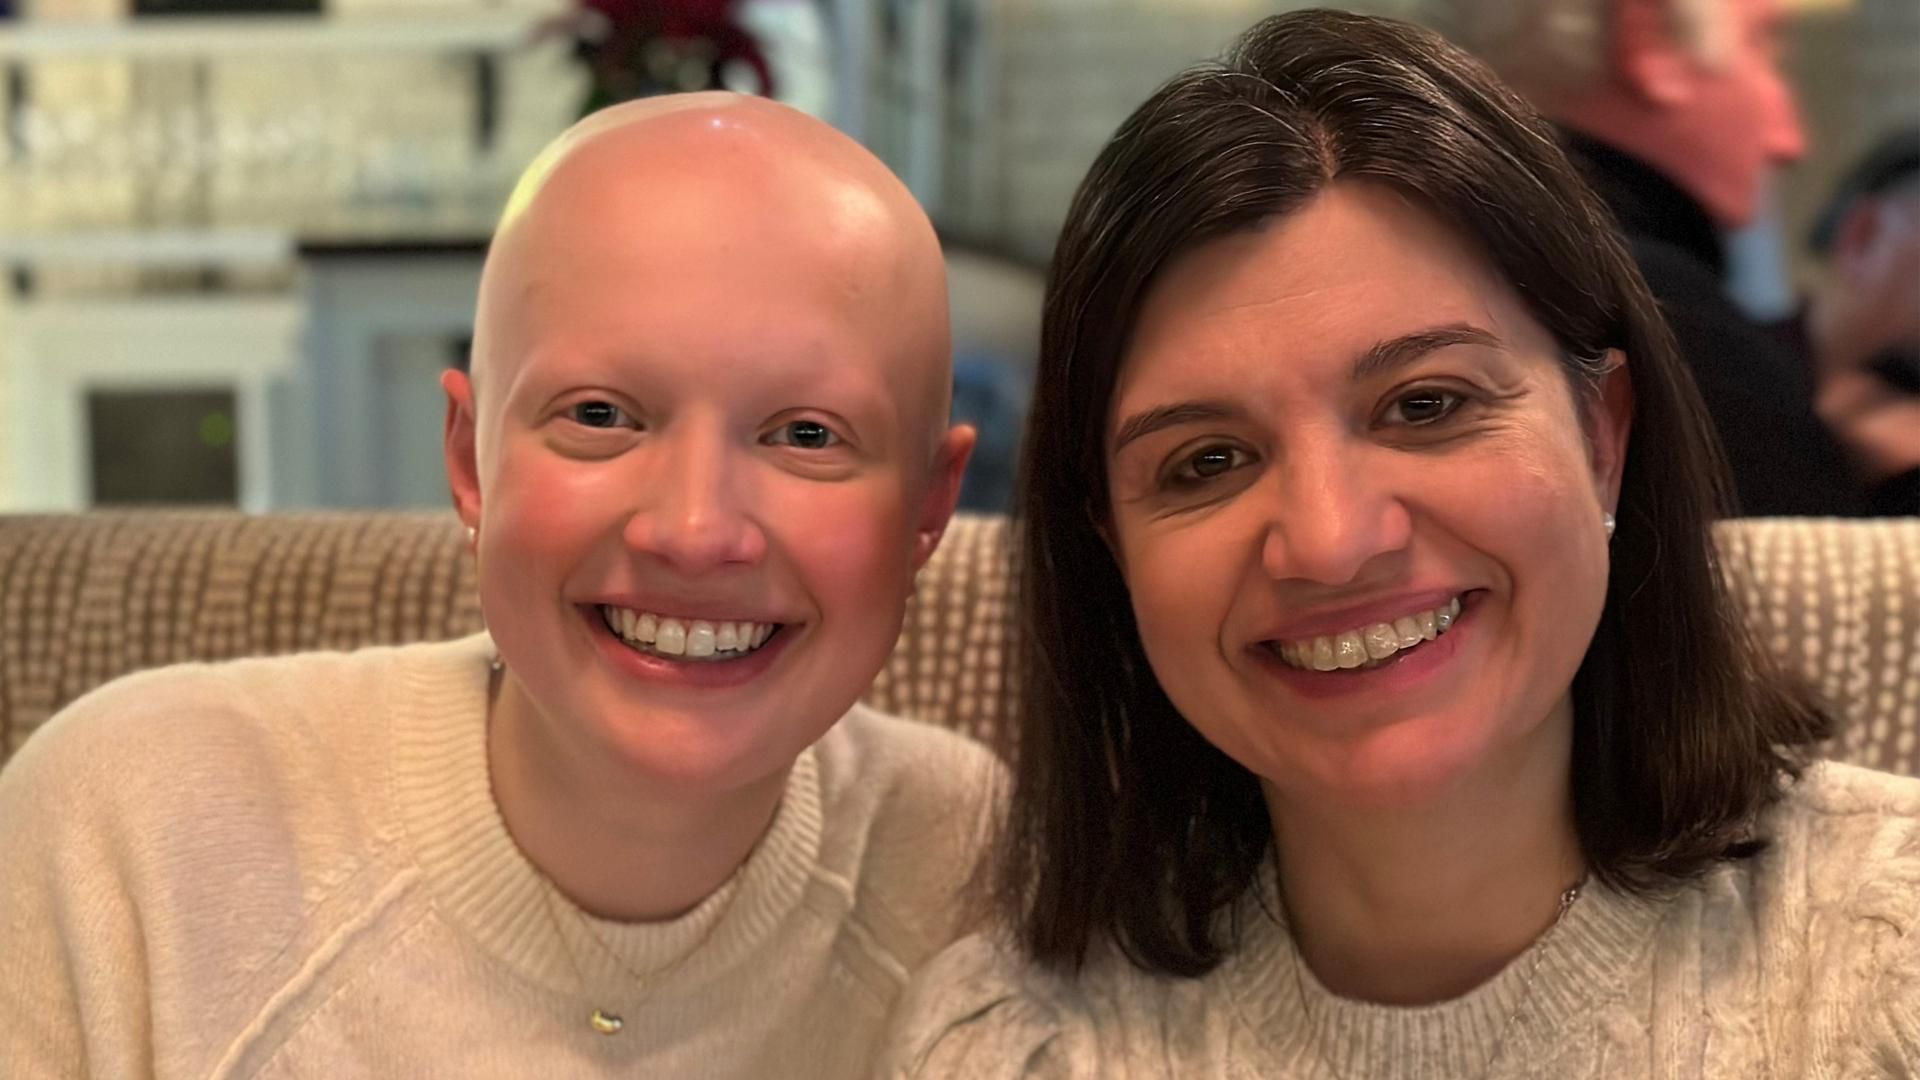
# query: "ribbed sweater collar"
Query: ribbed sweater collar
{"points": [[1300, 1021], [483, 884]]}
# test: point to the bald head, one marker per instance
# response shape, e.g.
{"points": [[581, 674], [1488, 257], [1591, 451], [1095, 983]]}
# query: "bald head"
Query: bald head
{"points": [[737, 206]]}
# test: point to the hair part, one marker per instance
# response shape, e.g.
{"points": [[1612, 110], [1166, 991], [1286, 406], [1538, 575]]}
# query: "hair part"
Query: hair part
{"points": [[1125, 825]]}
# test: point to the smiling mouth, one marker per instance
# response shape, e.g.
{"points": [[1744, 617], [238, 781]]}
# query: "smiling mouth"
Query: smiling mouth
{"points": [[1364, 648], [686, 640]]}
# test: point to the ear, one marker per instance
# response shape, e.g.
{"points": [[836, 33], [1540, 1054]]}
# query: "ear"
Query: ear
{"points": [[458, 442], [1646, 54], [1102, 525], [1611, 424], [943, 492]]}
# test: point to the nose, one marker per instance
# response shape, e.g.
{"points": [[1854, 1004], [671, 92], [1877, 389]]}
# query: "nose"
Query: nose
{"points": [[1330, 515], [693, 512], [1786, 135]]}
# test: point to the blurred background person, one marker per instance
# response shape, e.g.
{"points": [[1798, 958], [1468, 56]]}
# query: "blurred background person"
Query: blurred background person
{"points": [[1863, 320], [1679, 113]]}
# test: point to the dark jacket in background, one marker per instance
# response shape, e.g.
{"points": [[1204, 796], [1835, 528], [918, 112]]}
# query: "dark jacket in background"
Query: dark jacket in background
{"points": [[1757, 389]]}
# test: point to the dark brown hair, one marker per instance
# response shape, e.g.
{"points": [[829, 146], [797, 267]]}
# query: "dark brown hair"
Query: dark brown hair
{"points": [[1126, 826]]}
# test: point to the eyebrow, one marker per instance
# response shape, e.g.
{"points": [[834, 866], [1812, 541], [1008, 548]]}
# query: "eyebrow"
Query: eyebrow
{"points": [[1382, 357], [1142, 424], [1398, 352]]}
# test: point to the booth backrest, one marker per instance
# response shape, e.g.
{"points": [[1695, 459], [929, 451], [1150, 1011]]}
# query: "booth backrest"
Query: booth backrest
{"points": [[87, 597]]}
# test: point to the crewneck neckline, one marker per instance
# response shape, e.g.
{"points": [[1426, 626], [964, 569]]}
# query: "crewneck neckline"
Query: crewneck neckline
{"points": [[485, 885], [1295, 1018]]}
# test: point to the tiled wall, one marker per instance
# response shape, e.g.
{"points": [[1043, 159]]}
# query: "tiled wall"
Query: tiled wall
{"points": [[1068, 72]]}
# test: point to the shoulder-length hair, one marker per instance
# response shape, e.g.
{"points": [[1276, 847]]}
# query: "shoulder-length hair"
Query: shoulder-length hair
{"points": [[1125, 825]]}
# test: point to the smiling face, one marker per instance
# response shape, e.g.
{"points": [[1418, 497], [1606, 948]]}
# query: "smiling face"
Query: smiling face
{"points": [[705, 444], [1326, 434]]}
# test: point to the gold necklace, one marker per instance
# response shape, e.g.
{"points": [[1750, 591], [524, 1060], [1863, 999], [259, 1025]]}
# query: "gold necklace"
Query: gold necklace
{"points": [[600, 1020], [1537, 951]]}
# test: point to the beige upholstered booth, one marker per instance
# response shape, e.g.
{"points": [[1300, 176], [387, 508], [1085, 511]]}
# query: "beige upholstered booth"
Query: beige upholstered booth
{"points": [[86, 597]]}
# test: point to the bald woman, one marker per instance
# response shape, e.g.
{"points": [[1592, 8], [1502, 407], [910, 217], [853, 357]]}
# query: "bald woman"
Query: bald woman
{"points": [[641, 826]]}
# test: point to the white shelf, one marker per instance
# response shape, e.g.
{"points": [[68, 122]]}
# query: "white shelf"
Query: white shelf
{"points": [[468, 30], [151, 248]]}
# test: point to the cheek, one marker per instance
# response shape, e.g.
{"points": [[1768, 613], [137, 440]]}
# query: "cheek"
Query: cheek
{"points": [[543, 509], [851, 543], [1545, 529], [1180, 584], [1541, 490]]}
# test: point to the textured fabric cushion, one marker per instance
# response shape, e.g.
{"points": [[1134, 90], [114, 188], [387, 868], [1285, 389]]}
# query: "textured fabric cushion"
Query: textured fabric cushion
{"points": [[86, 597]]}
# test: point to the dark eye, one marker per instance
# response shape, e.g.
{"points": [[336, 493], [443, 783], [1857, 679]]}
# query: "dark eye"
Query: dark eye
{"points": [[803, 434], [1211, 462], [598, 414], [1206, 464], [1420, 407]]}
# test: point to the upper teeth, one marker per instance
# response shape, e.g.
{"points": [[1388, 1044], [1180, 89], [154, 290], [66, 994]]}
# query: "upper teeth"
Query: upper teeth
{"points": [[685, 637], [1368, 644]]}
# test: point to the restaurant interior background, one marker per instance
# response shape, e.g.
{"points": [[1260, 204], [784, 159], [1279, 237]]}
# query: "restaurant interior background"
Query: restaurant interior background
{"points": [[241, 237]]}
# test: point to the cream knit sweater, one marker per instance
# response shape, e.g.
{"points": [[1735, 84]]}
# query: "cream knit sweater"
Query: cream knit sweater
{"points": [[294, 867], [1804, 962]]}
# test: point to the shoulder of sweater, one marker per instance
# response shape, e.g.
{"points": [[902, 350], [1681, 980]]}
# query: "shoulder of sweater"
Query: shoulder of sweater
{"points": [[1852, 837], [906, 811], [142, 722], [980, 1010], [1837, 788], [219, 825], [1848, 839], [241, 736], [873, 754], [903, 784]]}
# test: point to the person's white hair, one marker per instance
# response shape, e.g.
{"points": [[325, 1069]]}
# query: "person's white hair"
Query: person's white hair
{"points": [[1560, 46]]}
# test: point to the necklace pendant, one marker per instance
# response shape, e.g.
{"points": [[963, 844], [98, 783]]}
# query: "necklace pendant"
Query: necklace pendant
{"points": [[606, 1023]]}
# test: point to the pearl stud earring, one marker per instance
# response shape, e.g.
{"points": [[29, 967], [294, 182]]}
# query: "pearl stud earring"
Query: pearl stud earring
{"points": [[1607, 522]]}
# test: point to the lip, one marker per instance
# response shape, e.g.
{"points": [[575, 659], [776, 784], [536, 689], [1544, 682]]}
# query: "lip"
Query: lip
{"points": [[1401, 673], [1329, 621], [658, 671]]}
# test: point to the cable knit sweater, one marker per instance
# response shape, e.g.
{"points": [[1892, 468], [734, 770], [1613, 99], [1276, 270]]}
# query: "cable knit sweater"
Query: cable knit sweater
{"points": [[1803, 962], [294, 867]]}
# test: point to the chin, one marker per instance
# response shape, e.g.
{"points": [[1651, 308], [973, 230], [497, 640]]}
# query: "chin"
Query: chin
{"points": [[1404, 766], [694, 751]]}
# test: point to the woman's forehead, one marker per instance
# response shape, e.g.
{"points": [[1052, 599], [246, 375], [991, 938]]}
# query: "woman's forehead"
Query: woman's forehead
{"points": [[1356, 266]]}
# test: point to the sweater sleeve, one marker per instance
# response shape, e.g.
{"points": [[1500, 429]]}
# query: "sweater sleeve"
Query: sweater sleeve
{"points": [[73, 998], [151, 880], [972, 1014]]}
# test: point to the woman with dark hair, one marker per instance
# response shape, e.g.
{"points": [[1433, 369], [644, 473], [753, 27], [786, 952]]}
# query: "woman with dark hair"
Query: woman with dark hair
{"points": [[1355, 739]]}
